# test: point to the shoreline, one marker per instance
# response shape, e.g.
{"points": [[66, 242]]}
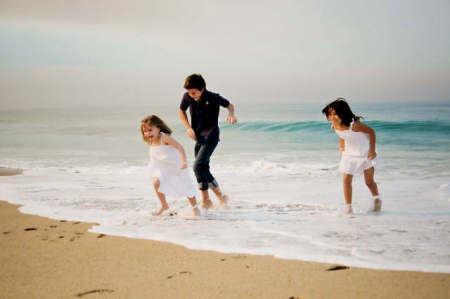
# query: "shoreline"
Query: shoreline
{"points": [[6, 171], [46, 258]]}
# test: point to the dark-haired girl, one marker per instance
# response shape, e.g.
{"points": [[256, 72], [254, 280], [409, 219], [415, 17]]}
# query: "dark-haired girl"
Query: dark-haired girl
{"points": [[167, 164], [357, 144]]}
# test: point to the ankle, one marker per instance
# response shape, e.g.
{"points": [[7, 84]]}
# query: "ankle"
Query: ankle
{"points": [[348, 208]]}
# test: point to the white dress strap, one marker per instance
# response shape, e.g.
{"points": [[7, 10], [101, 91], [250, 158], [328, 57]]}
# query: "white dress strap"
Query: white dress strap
{"points": [[351, 126]]}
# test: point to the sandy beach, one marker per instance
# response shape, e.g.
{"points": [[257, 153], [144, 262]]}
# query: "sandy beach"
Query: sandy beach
{"points": [[45, 258]]}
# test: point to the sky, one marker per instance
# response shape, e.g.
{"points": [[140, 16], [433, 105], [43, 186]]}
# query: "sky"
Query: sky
{"points": [[139, 52]]}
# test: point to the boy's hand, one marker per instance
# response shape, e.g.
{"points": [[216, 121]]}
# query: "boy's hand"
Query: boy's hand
{"points": [[191, 133], [231, 119], [371, 155], [183, 165]]}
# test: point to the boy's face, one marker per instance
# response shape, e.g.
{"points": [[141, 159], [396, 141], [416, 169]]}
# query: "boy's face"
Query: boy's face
{"points": [[195, 93]]}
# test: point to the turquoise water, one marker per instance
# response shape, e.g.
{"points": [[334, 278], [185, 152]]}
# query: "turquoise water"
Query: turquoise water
{"points": [[278, 165]]}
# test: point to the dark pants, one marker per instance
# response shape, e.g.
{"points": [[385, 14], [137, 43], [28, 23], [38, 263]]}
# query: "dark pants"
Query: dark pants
{"points": [[203, 152]]}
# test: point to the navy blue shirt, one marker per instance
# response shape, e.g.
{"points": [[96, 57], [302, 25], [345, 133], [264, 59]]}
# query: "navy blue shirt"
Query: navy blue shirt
{"points": [[204, 114]]}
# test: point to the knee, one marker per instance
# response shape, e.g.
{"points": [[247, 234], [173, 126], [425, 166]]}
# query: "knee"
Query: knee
{"points": [[348, 180], [198, 166], [370, 183]]}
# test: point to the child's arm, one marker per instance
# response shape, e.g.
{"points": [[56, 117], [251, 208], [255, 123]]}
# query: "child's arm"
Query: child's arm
{"points": [[360, 127], [187, 125], [231, 119], [342, 145], [170, 141]]}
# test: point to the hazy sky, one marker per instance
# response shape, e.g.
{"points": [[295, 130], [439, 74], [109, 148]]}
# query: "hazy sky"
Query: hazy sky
{"points": [[105, 52]]}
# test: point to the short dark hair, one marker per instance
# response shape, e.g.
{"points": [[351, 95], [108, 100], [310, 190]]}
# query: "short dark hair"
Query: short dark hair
{"points": [[342, 109], [195, 81]]}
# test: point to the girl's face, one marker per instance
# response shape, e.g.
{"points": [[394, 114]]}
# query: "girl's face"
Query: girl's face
{"points": [[151, 131], [334, 118]]}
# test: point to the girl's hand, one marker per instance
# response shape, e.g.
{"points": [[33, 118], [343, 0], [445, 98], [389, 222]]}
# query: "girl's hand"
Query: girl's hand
{"points": [[371, 155], [183, 165], [191, 133], [231, 119]]}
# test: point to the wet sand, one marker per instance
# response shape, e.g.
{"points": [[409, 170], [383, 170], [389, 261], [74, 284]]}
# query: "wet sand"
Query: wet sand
{"points": [[45, 258], [5, 171]]}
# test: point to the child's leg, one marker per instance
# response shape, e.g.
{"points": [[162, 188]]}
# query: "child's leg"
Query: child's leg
{"points": [[370, 182], [348, 191], [162, 198], [193, 203], [222, 197], [368, 177], [206, 202], [203, 152]]}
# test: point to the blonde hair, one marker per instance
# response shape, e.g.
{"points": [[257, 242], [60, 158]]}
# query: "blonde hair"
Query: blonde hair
{"points": [[155, 121]]}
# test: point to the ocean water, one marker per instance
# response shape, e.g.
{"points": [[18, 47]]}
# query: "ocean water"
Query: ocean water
{"points": [[278, 165]]}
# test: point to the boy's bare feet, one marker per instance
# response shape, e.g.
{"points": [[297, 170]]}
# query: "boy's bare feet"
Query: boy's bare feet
{"points": [[224, 202], [162, 209], [207, 204]]}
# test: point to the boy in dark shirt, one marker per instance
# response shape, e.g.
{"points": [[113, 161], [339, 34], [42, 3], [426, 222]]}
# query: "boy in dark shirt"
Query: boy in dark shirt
{"points": [[204, 108]]}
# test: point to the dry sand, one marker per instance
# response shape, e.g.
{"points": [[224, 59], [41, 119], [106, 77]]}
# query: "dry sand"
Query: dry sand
{"points": [[45, 258]]}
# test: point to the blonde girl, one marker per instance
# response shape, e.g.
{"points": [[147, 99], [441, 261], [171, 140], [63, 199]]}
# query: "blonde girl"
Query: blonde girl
{"points": [[167, 164]]}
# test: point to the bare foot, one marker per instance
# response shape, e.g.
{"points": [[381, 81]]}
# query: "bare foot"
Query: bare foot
{"points": [[224, 202], [159, 212], [196, 212], [206, 204], [377, 205], [348, 209]]}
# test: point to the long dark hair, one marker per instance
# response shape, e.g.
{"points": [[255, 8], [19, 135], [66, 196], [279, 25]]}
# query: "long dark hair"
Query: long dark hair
{"points": [[155, 121], [342, 109]]}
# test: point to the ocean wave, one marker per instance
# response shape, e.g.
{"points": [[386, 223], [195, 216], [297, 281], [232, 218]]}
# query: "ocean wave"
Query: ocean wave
{"points": [[319, 126]]}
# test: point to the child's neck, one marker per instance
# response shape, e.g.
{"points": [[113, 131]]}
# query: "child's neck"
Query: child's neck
{"points": [[341, 127], [157, 141]]}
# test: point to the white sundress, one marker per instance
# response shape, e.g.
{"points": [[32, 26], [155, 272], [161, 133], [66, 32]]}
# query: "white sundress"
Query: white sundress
{"points": [[165, 162], [354, 159]]}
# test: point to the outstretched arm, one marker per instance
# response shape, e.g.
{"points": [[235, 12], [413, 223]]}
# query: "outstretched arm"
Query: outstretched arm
{"points": [[170, 141], [187, 125], [231, 119]]}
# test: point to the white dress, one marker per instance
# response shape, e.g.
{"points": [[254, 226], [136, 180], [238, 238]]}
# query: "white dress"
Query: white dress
{"points": [[165, 162], [354, 159]]}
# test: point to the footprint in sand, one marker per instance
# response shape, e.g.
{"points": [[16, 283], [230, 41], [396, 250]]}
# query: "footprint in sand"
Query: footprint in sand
{"points": [[185, 272], [181, 272], [335, 268], [94, 291], [30, 229]]}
